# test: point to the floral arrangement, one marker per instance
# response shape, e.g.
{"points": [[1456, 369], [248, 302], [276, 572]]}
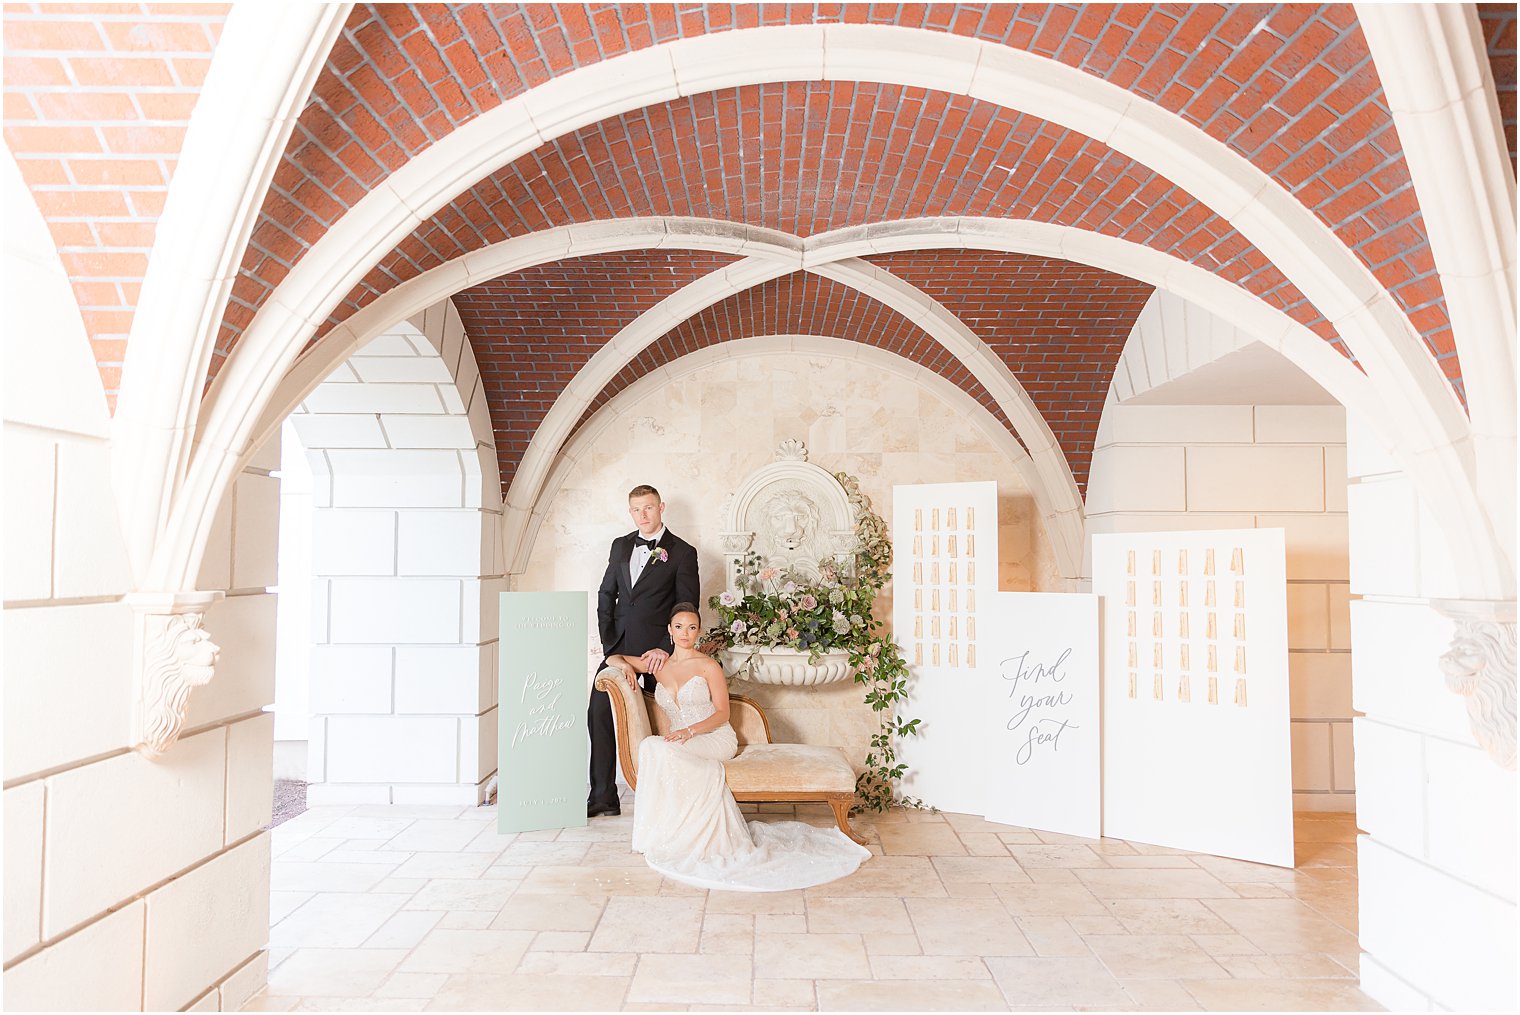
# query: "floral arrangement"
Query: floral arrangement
{"points": [[832, 612], [812, 617]]}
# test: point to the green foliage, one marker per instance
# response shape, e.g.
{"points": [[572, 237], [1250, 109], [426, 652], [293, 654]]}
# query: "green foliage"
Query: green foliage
{"points": [[835, 612]]}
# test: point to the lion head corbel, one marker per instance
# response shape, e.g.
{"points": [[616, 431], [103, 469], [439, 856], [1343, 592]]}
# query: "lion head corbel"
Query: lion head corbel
{"points": [[1480, 666], [174, 656]]}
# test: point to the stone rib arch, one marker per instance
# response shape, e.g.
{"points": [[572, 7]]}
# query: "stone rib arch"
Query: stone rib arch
{"points": [[1171, 337], [1441, 475], [1044, 464], [264, 67], [585, 438], [1433, 426]]}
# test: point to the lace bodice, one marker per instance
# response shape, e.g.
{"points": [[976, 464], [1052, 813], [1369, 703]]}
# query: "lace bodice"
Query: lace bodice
{"points": [[691, 704]]}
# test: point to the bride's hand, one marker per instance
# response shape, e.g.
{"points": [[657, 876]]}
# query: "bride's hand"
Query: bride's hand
{"points": [[679, 736], [629, 676]]}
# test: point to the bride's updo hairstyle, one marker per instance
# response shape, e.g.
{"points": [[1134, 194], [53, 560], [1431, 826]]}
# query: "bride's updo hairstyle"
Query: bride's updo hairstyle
{"points": [[680, 608]]}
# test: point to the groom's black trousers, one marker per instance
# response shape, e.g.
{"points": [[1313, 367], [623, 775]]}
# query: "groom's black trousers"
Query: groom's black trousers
{"points": [[604, 743]]}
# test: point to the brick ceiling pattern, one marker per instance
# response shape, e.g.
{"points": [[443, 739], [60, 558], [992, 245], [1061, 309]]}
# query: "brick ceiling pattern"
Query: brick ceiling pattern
{"points": [[534, 329], [807, 158], [801, 304], [1498, 23], [1060, 327], [96, 109], [1290, 87]]}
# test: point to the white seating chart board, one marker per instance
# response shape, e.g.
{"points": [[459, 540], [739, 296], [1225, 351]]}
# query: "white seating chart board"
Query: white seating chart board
{"points": [[1195, 691], [1041, 712], [944, 557]]}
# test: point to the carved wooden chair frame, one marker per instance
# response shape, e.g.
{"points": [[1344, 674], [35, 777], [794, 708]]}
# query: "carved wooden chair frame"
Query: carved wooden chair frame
{"points": [[839, 803]]}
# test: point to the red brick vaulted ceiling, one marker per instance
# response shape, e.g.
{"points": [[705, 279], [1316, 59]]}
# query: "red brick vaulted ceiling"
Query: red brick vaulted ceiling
{"points": [[806, 158], [1060, 327], [800, 304], [97, 101], [1290, 87], [534, 329]]}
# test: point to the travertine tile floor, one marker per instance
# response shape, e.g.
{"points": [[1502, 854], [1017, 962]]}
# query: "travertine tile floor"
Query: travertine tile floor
{"points": [[429, 909]]}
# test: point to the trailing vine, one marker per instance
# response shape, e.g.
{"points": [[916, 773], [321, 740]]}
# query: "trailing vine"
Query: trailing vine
{"points": [[833, 612], [881, 667]]}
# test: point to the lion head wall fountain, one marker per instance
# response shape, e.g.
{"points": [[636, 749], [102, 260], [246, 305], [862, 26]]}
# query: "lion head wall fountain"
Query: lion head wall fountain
{"points": [[788, 525]]}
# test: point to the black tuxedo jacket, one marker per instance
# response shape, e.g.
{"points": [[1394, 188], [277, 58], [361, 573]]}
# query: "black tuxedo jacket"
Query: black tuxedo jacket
{"points": [[633, 618]]}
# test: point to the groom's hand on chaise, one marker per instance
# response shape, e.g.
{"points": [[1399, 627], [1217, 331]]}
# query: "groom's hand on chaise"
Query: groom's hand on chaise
{"points": [[652, 660]]}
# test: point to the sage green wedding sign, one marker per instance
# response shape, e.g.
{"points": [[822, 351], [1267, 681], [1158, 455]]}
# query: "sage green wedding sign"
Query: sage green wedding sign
{"points": [[542, 746]]}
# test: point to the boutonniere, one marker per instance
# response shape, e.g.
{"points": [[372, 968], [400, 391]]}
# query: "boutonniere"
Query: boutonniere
{"points": [[659, 555]]}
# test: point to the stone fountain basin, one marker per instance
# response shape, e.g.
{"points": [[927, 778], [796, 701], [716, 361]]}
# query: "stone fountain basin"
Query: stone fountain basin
{"points": [[776, 665]]}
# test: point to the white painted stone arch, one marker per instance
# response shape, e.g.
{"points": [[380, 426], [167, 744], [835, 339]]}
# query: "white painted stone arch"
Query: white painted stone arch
{"points": [[266, 60], [406, 508], [1433, 430], [775, 254], [1048, 473], [575, 450], [1439, 86], [1045, 467]]}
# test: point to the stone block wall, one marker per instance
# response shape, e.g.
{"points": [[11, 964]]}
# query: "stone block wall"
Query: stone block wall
{"points": [[1437, 862], [404, 573], [134, 883], [129, 883], [1167, 467]]}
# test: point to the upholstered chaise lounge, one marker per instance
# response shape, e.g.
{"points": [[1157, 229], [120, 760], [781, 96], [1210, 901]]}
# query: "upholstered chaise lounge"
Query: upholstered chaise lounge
{"points": [[761, 771]]}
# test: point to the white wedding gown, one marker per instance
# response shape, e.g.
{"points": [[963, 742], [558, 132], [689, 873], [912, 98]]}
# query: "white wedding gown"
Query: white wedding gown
{"points": [[689, 828]]}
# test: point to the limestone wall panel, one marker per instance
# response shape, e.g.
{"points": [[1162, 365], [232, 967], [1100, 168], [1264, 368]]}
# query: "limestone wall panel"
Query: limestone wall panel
{"points": [[202, 926], [23, 867], [440, 543], [1256, 478], [68, 684], [399, 749], [250, 776], [97, 969], [120, 826], [28, 531], [442, 679], [256, 531], [89, 557], [395, 611], [392, 478], [353, 542], [1449, 940]]}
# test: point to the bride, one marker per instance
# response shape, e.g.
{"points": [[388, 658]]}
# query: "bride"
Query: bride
{"points": [[685, 820]]}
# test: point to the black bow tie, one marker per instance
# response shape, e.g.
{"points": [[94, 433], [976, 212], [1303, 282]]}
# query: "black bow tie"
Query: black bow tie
{"points": [[651, 543]]}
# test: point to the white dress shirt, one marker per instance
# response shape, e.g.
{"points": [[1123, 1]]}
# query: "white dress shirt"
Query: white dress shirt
{"points": [[641, 554]]}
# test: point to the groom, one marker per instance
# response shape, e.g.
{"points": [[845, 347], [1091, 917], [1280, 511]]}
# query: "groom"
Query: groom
{"points": [[648, 572]]}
